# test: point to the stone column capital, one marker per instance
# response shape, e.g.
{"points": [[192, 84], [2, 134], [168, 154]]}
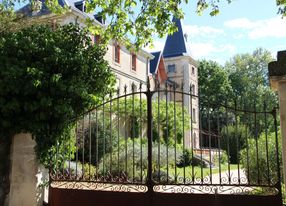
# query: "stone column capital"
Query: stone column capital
{"points": [[277, 70]]}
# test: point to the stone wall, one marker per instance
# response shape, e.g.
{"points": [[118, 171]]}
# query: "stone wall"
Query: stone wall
{"points": [[25, 174], [4, 168]]}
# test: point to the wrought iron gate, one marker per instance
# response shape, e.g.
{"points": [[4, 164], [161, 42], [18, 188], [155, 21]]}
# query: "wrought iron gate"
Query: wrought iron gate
{"points": [[169, 146]]}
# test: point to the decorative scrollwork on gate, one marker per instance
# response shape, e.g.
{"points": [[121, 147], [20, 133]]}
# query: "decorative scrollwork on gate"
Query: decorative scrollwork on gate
{"points": [[215, 189], [99, 186]]}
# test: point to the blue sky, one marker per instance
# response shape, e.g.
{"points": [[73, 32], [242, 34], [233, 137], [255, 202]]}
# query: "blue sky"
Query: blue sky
{"points": [[241, 27]]}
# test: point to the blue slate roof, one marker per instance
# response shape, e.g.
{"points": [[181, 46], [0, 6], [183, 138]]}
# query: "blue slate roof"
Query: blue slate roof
{"points": [[176, 44], [27, 11], [154, 63]]}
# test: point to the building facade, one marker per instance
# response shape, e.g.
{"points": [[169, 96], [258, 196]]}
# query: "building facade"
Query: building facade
{"points": [[128, 67], [181, 70], [172, 66]]}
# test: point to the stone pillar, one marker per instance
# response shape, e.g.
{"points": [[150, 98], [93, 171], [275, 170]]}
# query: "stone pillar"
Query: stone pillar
{"points": [[24, 190], [277, 74]]}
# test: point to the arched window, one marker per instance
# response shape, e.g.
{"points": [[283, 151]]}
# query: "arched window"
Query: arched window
{"points": [[117, 53], [194, 118], [133, 62], [193, 70], [193, 89]]}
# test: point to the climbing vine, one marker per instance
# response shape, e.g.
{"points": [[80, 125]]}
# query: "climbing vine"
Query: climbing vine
{"points": [[47, 78]]}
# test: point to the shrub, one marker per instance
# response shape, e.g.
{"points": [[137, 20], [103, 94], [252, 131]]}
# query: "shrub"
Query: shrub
{"points": [[159, 117], [220, 159], [253, 163], [233, 140], [186, 158], [47, 78], [96, 140], [110, 163], [61, 152]]}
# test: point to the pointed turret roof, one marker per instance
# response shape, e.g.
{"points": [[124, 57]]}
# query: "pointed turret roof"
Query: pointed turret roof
{"points": [[176, 44]]}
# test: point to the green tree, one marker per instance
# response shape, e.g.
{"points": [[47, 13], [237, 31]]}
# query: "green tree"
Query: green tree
{"points": [[160, 112], [47, 78], [213, 83], [248, 74], [140, 19], [233, 140], [214, 90]]}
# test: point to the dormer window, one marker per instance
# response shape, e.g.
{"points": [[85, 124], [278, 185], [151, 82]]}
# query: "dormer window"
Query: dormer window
{"points": [[133, 62], [117, 53], [171, 68], [99, 18], [80, 5]]}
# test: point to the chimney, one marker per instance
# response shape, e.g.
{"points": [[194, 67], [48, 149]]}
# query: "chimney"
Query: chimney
{"points": [[186, 37]]}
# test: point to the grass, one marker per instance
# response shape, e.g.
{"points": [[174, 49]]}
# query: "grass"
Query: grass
{"points": [[198, 171]]}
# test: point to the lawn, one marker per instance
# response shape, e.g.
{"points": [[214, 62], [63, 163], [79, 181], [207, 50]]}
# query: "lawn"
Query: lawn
{"points": [[197, 171]]}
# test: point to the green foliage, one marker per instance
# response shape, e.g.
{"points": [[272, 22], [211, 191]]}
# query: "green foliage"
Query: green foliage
{"points": [[233, 140], [124, 164], [244, 81], [281, 7], [127, 148], [131, 108], [64, 149], [220, 159], [89, 171], [47, 78], [215, 86], [253, 163], [248, 74], [129, 18], [168, 117], [140, 19], [101, 140], [186, 158]]}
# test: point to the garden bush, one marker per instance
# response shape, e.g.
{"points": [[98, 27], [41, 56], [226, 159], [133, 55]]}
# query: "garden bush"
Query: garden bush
{"points": [[48, 77], [253, 163], [96, 140], [110, 163], [233, 140], [186, 159], [220, 159]]}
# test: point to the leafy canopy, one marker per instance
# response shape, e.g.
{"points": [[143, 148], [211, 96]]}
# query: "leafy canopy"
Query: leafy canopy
{"points": [[214, 83], [47, 78], [248, 74], [138, 20]]}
